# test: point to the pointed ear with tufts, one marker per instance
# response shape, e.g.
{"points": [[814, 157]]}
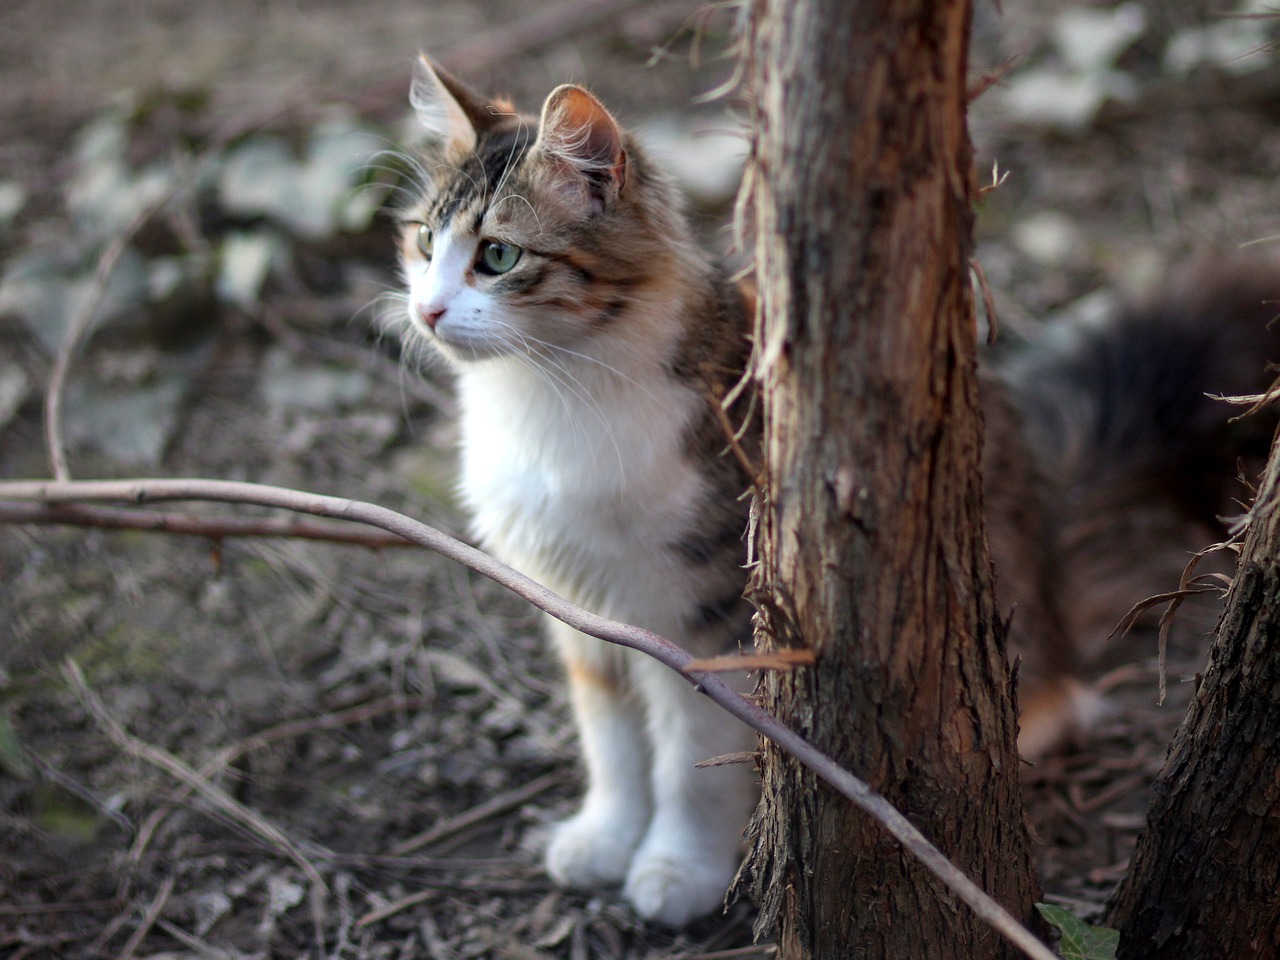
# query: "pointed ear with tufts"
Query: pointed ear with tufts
{"points": [[447, 107], [578, 134]]}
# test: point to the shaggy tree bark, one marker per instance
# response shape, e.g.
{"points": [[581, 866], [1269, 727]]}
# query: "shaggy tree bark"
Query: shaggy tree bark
{"points": [[871, 545], [1205, 880]]}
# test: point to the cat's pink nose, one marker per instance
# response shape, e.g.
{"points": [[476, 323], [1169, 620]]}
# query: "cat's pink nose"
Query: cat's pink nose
{"points": [[431, 315]]}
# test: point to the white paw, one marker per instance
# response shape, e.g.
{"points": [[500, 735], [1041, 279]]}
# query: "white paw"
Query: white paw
{"points": [[674, 889], [589, 851]]}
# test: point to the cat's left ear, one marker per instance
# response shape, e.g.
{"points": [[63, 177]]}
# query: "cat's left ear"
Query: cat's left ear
{"points": [[584, 141], [448, 108]]}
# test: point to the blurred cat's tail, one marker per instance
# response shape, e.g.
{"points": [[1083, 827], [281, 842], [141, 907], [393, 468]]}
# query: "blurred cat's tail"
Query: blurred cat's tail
{"points": [[1143, 461]]}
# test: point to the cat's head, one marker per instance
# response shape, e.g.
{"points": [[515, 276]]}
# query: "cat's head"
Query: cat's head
{"points": [[531, 235]]}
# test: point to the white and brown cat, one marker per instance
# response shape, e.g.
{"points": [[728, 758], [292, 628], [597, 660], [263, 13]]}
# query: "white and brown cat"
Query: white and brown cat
{"points": [[548, 260]]}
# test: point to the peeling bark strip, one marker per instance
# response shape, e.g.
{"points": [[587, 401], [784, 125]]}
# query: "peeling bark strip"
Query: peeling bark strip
{"points": [[784, 659], [872, 551], [1205, 880]]}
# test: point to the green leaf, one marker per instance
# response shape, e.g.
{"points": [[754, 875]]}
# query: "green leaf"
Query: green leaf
{"points": [[13, 196], [245, 261], [106, 193], [130, 422], [46, 291], [1080, 940], [15, 386], [313, 196]]}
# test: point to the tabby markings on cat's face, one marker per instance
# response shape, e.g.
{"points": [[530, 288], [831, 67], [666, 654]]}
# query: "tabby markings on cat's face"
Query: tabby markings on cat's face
{"points": [[457, 283], [488, 285], [523, 242]]}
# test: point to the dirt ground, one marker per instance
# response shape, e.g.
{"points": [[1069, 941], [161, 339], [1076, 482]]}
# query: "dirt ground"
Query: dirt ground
{"points": [[279, 748]]}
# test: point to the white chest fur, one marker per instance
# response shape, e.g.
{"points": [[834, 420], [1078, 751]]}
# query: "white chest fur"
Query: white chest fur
{"points": [[583, 483]]}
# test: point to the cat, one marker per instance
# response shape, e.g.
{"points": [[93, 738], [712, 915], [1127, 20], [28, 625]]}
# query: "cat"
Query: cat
{"points": [[547, 259]]}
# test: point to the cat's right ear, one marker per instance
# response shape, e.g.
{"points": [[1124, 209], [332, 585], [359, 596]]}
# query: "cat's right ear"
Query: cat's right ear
{"points": [[585, 144], [448, 108]]}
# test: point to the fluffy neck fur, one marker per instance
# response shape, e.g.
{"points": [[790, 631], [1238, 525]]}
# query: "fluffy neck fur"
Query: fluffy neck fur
{"points": [[581, 472]]}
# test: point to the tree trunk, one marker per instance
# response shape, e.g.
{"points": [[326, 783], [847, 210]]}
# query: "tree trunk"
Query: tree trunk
{"points": [[871, 545], [1205, 879]]}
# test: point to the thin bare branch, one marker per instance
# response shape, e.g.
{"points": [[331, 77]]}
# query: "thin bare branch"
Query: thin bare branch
{"points": [[988, 300], [758, 950], [391, 909], [291, 729], [72, 906], [1271, 238], [101, 806], [1254, 401], [149, 919], [1188, 585], [212, 528], [478, 814], [78, 327], [989, 79], [140, 491], [729, 759]]}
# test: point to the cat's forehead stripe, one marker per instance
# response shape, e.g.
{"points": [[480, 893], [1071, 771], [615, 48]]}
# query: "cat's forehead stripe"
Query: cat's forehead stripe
{"points": [[464, 215], [492, 164]]}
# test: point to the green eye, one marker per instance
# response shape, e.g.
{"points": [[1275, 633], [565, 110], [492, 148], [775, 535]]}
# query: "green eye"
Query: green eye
{"points": [[424, 240], [498, 257]]}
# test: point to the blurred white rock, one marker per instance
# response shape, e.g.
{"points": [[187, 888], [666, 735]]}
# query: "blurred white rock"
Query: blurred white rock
{"points": [[313, 193], [705, 154], [13, 197], [244, 261], [106, 192], [1091, 40], [1070, 87], [289, 383], [14, 387], [1050, 238]]}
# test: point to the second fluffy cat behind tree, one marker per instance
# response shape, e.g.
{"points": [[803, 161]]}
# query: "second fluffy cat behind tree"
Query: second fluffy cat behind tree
{"points": [[549, 261]]}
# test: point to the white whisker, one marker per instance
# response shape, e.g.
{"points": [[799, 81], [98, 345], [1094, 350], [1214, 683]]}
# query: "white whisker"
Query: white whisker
{"points": [[587, 358]]}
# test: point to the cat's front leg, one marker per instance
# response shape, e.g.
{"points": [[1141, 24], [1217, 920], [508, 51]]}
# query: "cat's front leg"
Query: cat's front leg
{"points": [[594, 847], [693, 846]]}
